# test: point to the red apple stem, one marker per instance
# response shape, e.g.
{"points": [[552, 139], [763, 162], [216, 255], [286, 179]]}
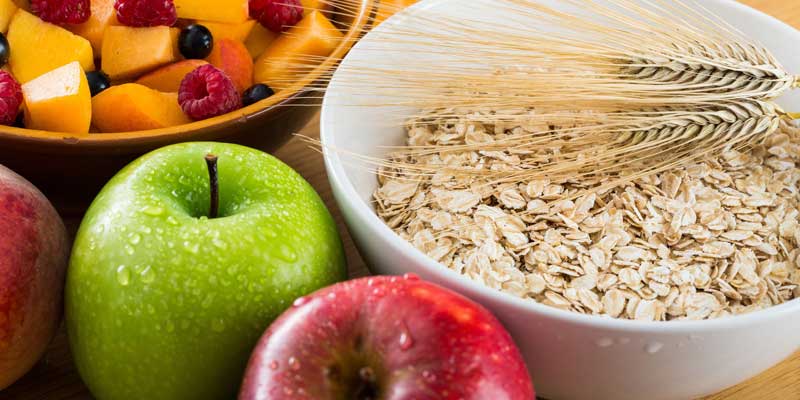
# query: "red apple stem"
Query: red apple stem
{"points": [[213, 177]]}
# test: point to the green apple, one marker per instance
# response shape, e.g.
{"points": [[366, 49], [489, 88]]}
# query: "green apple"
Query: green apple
{"points": [[164, 300]]}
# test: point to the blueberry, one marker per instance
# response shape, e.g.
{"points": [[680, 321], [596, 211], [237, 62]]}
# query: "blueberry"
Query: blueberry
{"points": [[98, 82], [5, 50], [256, 93], [195, 42], [20, 121]]}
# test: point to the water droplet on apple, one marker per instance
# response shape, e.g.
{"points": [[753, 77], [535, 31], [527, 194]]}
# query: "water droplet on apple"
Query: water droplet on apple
{"points": [[218, 325], [151, 309], [123, 275], [411, 277], [219, 243], [147, 275], [286, 253], [135, 238], [406, 341], [129, 249], [193, 248], [153, 211], [171, 220], [294, 364], [170, 326], [273, 365], [207, 301], [300, 301]]}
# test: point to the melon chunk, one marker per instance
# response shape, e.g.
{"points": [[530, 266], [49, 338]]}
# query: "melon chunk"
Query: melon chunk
{"points": [[133, 107], [7, 10], [259, 39], [228, 11], [298, 51], [59, 101], [311, 5], [103, 16], [129, 52], [38, 47], [237, 32], [168, 78], [233, 59]]}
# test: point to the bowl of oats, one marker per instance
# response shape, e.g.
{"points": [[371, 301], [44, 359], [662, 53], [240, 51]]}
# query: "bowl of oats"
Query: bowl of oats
{"points": [[637, 240]]}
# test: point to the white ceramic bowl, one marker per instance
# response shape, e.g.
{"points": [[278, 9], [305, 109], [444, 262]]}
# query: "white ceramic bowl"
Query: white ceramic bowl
{"points": [[570, 356]]}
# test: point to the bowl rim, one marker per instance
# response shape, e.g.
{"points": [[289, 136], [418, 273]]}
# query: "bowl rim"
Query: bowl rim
{"points": [[349, 199], [283, 98]]}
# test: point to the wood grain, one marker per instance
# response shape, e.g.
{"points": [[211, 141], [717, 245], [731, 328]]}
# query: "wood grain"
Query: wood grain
{"points": [[55, 378]]}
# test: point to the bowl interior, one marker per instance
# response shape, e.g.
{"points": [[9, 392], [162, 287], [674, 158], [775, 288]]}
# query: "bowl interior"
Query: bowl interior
{"points": [[358, 122]]}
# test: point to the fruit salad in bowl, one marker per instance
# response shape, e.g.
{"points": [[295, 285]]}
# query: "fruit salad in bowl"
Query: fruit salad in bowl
{"points": [[88, 85]]}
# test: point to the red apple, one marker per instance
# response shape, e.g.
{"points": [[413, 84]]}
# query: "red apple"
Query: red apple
{"points": [[386, 338], [33, 259]]}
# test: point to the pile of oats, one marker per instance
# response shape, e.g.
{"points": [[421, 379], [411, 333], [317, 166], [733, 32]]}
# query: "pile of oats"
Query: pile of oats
{"points": [[708, 240]]}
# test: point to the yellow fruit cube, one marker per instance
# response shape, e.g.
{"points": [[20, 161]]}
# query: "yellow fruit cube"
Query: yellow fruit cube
{"points": [[258, 40], [298, 51], [38, 47], [228, 11], [129, 52], [59, 101], [237, 32], [133, 107], [7, 10], [103, 16]]}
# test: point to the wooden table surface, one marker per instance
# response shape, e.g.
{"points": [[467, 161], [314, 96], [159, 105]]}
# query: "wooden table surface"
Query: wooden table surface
{"points": [[55, 377]]}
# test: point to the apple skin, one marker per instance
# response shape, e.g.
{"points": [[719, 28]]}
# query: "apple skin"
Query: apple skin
{"points": [[164, 303], [34, 250], [419, 341]]}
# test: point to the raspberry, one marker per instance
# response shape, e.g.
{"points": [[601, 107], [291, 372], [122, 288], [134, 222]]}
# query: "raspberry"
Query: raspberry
{"points": [[10, 98], [138, 13], [207, 92], [62, 11], [276, 15]]}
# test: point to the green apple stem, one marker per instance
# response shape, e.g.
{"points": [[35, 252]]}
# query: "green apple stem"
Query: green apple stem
{"points": [[213, 175]]}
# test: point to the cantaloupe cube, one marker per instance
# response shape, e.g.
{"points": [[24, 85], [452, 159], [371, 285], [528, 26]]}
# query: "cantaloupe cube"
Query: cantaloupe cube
{"points": [[59, 101], [129, 52], [297, 51], [7, 10], [23, 4], [228, 11], [133, 107], [233, 59], [311, 5], [387, 8], [168, 78], [237, 32], [103, 16], [259, 39], [38, 47]]}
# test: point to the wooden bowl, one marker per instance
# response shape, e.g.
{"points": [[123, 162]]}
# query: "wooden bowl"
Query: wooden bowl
{"points": [[72, 168]]}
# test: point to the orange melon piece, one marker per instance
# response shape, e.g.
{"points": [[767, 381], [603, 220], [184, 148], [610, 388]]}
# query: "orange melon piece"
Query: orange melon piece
{"points": [[133, 107], [129, 52], [169, 77], [59, 101], [311, 5], [297, 51], [7, 10], [38, 47], [237, 32], [227, 11], [387, 8], [103, 16], [233, 58], [259, 39]]}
